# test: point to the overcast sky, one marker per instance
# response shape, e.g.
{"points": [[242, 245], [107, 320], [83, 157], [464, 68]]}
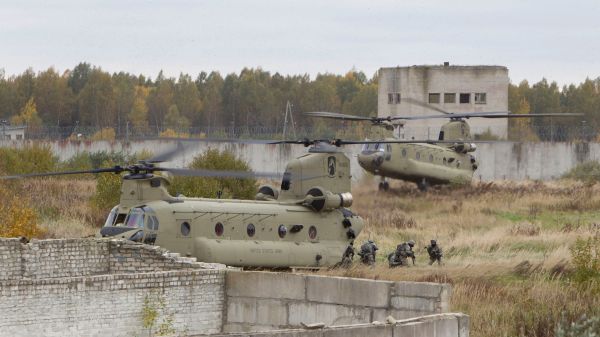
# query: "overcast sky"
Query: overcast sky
{"points": [[559, 40]]}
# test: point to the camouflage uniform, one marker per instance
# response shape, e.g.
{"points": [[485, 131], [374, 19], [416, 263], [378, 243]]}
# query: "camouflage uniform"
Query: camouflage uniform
{"points": [[348, 256], [367, 253], [435, 253], [401, 255]]}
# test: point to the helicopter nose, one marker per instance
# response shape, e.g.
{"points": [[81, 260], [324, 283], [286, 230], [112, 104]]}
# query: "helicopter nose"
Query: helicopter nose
{"points": [[371, 161]]}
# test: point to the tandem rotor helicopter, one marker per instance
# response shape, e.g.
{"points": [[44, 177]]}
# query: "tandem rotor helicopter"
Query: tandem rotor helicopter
{"points": [[304, 223], [449, 159]]}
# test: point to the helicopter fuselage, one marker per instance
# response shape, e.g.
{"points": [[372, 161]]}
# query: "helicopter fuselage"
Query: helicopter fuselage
{"points": [[437, 164]]}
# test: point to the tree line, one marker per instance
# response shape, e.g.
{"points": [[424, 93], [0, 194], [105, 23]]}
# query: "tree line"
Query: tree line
{"points": [[88, 96]]}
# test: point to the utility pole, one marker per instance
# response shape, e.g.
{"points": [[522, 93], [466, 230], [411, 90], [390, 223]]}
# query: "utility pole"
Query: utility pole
{"points": [[288, 111]]}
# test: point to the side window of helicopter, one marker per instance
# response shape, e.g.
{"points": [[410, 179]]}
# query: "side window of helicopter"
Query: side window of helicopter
{"points": [[418, 156], [404, 153], [431, 158], [251, 230], [185, 228], [282, 231], [312, 232], [219, 229], [285, 182], [388, 149]]}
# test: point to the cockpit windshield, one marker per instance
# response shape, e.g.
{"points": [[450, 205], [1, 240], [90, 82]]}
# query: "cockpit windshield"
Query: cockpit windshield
{"points": [[110, 220], [142, 217], [373, 147]]}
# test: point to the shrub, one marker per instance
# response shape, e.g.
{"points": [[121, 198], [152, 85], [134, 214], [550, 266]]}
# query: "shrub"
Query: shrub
{"points": [[587, 172], [583, 327], [214, 159], [585, 254], [29, 159], [170, 133], [104, 134], [16, 217]]}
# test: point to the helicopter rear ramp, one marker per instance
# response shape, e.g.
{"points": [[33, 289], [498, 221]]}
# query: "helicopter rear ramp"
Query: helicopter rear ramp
{"points": [[96, 287]]}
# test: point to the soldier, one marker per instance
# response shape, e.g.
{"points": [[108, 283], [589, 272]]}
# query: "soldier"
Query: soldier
{"points": [[367, 252], [435, 253], [400, 256], [348, 256]]}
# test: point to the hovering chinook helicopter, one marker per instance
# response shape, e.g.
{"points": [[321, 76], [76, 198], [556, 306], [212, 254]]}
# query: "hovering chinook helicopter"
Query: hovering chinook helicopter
{"points": [[449, 159], [306, 222]]}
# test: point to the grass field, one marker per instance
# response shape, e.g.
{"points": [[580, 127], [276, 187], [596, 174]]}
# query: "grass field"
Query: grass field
{"points": [[507, 246]]}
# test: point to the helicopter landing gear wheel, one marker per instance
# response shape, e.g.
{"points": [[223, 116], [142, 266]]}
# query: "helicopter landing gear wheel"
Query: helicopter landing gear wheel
{"points": [[423, 185], [384, 186]]}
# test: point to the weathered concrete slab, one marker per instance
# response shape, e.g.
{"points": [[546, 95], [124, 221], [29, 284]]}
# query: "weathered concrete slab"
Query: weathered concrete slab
{"points": [[419, 289], [360, 331], [446, 327], [265, 285], [330, 314], [272, 312], [348, 291], [241, 310], [414, 303]]}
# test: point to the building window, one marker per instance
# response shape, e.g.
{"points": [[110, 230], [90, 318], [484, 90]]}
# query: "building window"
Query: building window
{"points": [[480, 98], [397, 98], [449, 98], [390, 98], [465, 98], [434, 98]]}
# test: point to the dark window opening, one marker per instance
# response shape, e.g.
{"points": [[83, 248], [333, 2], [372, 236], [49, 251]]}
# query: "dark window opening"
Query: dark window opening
{"points": [[219, 229], [397, 98], [390, 98], [185, 229], [441, 137], [403, 152], [434, 98], [465, 98], [450, 98], [480, 98]]}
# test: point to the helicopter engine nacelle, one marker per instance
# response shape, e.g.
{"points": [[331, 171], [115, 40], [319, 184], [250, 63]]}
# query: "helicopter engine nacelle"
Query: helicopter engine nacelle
{"points": [[321, 200], [465, 147], [267, 193]]}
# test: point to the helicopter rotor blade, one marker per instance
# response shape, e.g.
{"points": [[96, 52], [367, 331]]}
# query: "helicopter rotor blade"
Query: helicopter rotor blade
{"points": [[116, 169], [221, 173], [425, 105], [335, 115]]}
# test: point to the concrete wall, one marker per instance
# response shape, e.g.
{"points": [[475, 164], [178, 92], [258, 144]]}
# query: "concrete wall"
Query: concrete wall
{"points": [[440, 325], [500, 160], [265, 301]]}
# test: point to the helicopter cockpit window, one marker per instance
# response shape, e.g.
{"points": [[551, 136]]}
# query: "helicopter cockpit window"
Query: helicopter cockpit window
{"points": [[151, 222], [285, 182], [112, 216], [135, 219]]}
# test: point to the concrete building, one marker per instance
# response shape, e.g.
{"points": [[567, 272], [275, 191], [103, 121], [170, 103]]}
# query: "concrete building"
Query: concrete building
{"points": [[454, 89], [11, 132]]}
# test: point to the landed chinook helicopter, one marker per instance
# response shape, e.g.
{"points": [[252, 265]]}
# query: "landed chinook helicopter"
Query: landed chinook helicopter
{"points": [[449, 159], [304, 223]]}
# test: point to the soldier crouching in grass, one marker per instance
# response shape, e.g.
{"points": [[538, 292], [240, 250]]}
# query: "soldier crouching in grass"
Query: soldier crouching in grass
{"points": [[435, 253]]}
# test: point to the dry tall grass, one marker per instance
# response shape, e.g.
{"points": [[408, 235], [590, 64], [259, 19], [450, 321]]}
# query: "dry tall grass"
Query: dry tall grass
{"points": [[506, 248]]}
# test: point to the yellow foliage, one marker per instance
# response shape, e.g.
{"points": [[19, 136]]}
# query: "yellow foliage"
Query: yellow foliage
{"points": [[28, 115], [16, 217], [104, 134], [170, 133]]}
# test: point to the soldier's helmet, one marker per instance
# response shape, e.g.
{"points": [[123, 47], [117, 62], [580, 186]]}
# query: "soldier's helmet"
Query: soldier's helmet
{"points": [[433, 242], [370, 241], [411, 243]]}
